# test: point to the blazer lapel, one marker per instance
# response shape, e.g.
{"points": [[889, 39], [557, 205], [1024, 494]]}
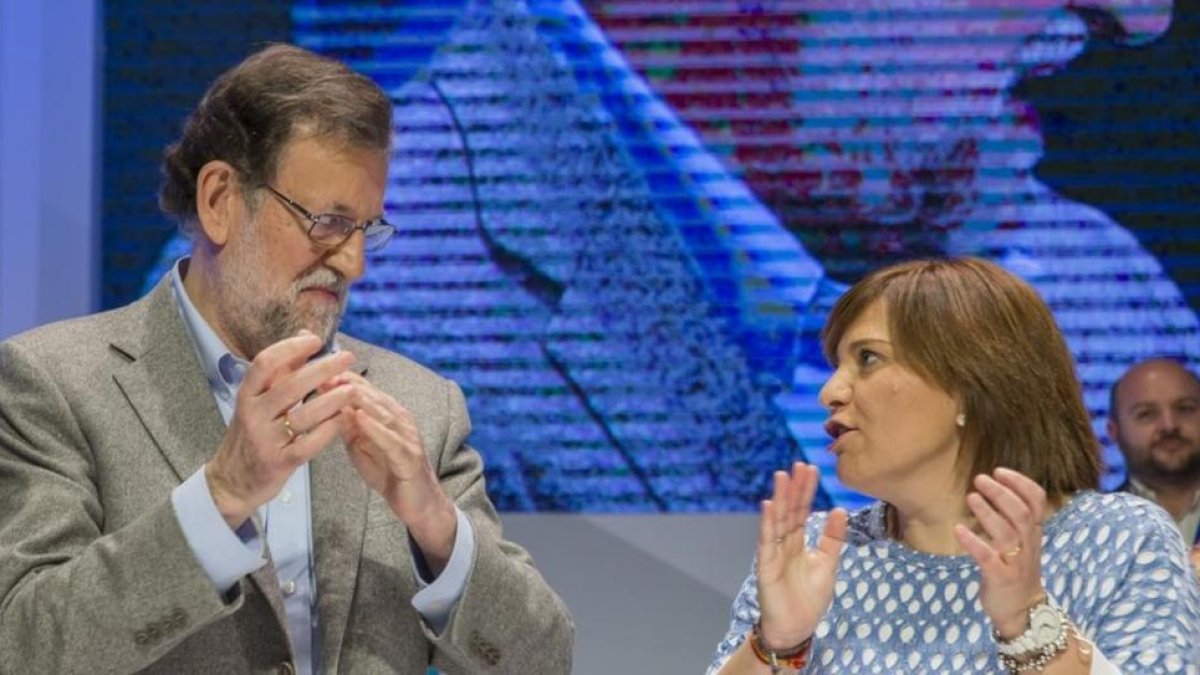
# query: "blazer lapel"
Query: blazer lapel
{"points": [[167, 388]]}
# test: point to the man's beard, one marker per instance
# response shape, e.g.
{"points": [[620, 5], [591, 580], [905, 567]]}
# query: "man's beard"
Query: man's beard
{"points": [[1179, 472], [256, 318], [280, 319]]}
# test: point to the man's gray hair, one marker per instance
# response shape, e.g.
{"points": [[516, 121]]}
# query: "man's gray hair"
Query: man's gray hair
{"points": [[254, 109]]}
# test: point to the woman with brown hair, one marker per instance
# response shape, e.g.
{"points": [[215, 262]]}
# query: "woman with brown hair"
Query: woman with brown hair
{"points": [[954, 401]]}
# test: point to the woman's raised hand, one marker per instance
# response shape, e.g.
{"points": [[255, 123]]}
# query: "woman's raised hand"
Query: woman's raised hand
{"points": [[1010, 509], [795, 582]]}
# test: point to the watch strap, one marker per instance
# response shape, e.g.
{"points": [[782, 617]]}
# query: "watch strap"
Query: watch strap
{"points": [[1032, 650]]}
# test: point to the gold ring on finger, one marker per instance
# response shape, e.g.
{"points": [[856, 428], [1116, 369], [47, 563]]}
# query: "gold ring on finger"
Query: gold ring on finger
{"points": [[1011, 553], [287, 426]]}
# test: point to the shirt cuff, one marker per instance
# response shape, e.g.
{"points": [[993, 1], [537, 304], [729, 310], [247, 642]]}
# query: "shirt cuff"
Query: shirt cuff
{"points": [[1101, 665], [226, 555], [436, 600]]}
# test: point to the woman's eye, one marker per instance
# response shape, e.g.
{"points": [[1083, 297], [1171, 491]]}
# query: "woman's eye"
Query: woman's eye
{"points": [[867, 357]]}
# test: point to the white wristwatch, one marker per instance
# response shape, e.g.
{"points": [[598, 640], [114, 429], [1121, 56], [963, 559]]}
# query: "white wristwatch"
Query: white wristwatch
{"points": [[1046, 621], [1040, 643]]}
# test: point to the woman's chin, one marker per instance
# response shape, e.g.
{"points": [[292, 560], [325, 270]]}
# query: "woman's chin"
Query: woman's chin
{"points": [[846, 473]]}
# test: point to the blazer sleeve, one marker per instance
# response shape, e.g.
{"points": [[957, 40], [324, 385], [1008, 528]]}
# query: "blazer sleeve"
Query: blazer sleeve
{"points": [[508, 619], [73, 597]]}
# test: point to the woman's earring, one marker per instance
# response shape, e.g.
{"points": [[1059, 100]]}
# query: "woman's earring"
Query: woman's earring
{"points": [[961, 420]]}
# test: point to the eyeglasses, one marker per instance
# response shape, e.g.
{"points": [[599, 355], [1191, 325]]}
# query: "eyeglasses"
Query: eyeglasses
{"points": [[332, 229]]}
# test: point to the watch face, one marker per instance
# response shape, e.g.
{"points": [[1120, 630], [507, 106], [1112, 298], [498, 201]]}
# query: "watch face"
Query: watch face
{"points": [[1045, 624]]}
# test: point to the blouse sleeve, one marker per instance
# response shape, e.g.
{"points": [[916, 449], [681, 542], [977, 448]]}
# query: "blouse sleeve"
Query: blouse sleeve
{"points": [[745, 613], [1151, 618]]}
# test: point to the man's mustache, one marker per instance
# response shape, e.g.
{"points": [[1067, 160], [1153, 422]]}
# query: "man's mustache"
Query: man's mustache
{"points": [[324, 279], [1171, 437]]}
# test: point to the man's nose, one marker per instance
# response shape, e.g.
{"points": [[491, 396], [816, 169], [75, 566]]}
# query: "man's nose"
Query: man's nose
{"points": [[1169, 422], [349, 257]]}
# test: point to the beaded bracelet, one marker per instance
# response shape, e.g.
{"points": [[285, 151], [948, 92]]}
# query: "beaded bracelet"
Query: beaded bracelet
{"points": [[794, 658]]}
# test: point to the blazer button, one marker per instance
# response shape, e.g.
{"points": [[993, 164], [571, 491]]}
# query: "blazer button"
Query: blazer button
{"points": [[286, 668]]}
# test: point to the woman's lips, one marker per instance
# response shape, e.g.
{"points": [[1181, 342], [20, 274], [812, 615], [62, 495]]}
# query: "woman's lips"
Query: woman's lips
{"points": [[834, 445], [837, 431]]}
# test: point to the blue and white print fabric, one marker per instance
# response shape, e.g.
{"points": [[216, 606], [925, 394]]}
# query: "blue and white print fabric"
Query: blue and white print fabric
{"points": [[1113, 562]]}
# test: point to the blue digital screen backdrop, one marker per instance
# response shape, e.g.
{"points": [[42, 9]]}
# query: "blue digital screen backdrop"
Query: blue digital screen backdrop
{"points": [[624, 222]]}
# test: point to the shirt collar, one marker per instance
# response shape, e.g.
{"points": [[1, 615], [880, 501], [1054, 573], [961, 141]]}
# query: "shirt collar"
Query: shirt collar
{"points": [[223, 370], [1140, 489], [1144, 491]]}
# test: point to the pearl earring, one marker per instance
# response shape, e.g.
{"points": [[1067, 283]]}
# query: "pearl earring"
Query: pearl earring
{"points": [[960, 420]]}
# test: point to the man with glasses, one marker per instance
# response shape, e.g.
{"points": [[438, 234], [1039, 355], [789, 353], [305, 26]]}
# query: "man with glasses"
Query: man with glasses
{"points": [[213, 479]]}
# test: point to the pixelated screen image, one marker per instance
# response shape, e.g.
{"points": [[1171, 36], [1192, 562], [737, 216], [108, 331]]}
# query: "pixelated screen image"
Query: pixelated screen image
{"points": [[624, 222]]}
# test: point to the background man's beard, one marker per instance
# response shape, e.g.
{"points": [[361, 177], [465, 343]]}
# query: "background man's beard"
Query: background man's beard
{"points": [[1150, 469]]}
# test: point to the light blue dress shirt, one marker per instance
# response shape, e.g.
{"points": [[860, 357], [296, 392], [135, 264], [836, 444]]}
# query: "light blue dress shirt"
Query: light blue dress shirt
{"points": [[228, 555]]}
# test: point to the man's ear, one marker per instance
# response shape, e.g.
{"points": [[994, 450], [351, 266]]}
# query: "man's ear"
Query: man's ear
{"points": [[1111, 428], [219, 203]]}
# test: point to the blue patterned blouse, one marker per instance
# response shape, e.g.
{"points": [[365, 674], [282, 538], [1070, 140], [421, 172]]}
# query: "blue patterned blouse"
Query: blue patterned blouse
{"points": [[1113, 562]]}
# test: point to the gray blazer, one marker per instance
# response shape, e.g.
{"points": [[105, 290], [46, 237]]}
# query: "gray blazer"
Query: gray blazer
{"points": [[102, 416]]}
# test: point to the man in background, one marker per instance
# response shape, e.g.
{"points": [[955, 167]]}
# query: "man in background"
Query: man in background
{"points": [[213, 479], [1154, 418]]}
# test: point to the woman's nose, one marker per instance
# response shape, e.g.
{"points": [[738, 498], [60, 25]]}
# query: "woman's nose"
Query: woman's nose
{"points": [[835, 392]]}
